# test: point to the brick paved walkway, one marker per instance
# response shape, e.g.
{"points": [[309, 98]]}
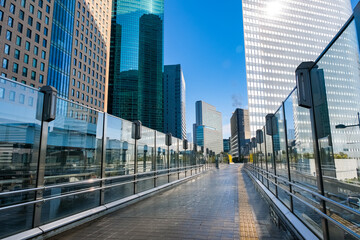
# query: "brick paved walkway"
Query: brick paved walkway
{"points": [[203, 208]]}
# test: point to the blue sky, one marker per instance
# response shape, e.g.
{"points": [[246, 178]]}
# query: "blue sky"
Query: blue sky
{"points": [[206, 38]]}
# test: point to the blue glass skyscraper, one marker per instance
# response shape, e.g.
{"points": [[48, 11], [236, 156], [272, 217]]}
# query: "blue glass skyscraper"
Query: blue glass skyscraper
{"points": [[136, 62]]}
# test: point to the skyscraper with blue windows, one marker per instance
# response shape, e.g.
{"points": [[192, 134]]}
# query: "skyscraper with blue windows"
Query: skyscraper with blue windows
{"points": [[136, 62]]}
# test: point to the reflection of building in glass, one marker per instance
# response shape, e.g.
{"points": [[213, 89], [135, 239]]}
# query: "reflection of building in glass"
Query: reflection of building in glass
{"points": [[240, 132], [336, 95], [279, 35], [137, 34], [208, 127], [174, 101]]}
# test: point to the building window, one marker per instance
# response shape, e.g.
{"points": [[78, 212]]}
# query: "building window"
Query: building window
{"points": [[16, 54], [42, 67], [5, 63], [33, 75], [12, 8], [39, 15], [31, 8], [1, 15], [2, 3], [47, 8], [38, 26], [37, 38], [22, 98], [28, 33], [15, 68], [20, 28], [34, 63], [40, 3], [21, 15], [25, 72], [7, 49], [12, 96], [18, 40], [43, 55], [36, 50], [10, 22], [2, 93], [8, 35], [23, 3], [45, 31], [44, 43], [26, 58], [47, 20], [27, 45], [30, 21], [41, 78]]}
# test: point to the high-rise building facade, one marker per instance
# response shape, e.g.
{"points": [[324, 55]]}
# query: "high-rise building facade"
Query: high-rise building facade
{"points": [[240, 132], [136, 62], [174, 101], [208, 127], [226, 143], [279, 35], [60, 43]]}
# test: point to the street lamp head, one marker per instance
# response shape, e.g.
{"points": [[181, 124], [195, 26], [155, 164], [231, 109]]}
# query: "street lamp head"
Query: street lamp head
{"points": [[340, 126]]}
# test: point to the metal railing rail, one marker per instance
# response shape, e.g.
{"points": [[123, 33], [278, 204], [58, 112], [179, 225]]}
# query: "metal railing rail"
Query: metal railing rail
{"points": [[318, 211], [90, 189]]}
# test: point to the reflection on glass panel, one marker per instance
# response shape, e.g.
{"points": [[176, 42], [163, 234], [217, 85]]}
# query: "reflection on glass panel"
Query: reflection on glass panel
{"points": [[146, 150], [302, 161], [19, 152], [74, 146], [336, 94], [270, 162], [119, 147], [161, 157], [279, 142], [174, 153]]}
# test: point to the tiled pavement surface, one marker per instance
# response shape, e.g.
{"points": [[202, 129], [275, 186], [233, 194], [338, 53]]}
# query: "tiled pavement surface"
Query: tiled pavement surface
{"points": [[204, 208]]}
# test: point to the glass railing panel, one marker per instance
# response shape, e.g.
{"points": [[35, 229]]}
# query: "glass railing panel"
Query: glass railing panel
{"points": [[302, 161], [145, 158], [279, 142], [262, 156], [146, 150], [20, 125], [336, 93], [73, 154], [174, 158], [119, 161], [74, 146], [270, 162], [161, 158]]}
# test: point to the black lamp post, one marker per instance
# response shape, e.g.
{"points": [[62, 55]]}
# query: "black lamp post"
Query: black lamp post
{"points": [[342, 126]]}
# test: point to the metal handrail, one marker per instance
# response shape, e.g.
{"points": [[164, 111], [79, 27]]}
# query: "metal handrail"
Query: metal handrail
{"points": [[91, 189], [89, 181], [314, 208], [352, 210]]}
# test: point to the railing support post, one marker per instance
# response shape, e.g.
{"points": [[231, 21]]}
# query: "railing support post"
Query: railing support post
{"points": [[48, 115], [103, 163]]}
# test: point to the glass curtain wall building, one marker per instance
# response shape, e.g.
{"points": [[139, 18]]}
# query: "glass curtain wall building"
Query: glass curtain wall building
{"points": [[136, 66], [174, 101], [208, 127], [279, 35]]}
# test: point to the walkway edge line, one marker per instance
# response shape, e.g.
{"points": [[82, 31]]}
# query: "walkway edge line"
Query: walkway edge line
{"points": [[67, 223], [298, 228]]}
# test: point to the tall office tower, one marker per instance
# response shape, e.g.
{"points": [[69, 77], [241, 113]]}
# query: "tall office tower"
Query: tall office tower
{"points": [[240, 132], [208, 127], [136, 66], [63, 44], [279, 35], [226, 143], [174, 101]]}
